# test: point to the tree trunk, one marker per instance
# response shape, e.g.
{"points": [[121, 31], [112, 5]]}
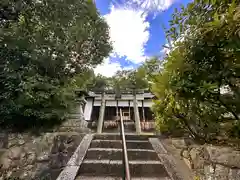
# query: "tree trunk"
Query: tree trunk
{"points": [[194, 134]]}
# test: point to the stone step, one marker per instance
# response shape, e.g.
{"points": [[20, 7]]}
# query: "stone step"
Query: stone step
{"points": [[117, 137], [75, 116], [114, 168], [117, 144], [116, 154], [119, 178]]}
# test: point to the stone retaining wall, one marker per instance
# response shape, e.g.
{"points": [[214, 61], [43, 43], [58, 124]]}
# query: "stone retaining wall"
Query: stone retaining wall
{"points": [[210, 162], [26, 157]]}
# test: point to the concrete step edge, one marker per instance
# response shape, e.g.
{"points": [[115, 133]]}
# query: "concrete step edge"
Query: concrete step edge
{"points": [[132, 162], [118, 178], [130, 141], [117, 149], [118, 134]]}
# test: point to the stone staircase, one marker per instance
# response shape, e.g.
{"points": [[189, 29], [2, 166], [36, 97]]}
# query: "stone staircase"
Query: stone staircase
{"points": [[103, 159]]}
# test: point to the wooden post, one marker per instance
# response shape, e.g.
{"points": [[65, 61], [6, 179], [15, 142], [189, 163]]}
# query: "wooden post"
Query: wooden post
{"points": [[136, 113], [101, 114]]}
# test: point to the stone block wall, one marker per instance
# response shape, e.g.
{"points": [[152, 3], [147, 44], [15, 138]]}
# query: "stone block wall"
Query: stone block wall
{"points": [[74, 124], [23, 156], [210, 162]]}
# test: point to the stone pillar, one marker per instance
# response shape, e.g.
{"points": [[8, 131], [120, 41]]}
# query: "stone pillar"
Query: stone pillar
{"points": [[143, 111], [81, 120], [88, 109], [101, 114], [129, 110], [81, 107], [136, 114], [117, 109], [81, 104]]}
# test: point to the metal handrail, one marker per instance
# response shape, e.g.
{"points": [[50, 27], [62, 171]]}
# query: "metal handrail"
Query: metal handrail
{"points": [[126, 170]]}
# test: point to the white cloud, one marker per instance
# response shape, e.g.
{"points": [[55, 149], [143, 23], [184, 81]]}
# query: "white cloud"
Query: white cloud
{"points": [[129, 33], [128, 68], [152, 5], [107, 68]]}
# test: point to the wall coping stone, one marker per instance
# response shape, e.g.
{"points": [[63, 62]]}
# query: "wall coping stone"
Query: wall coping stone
{"points": [[167, 159], [73, 165]]}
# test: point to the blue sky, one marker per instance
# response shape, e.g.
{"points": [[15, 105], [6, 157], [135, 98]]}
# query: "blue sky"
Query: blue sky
{"points": [[136, 31]]}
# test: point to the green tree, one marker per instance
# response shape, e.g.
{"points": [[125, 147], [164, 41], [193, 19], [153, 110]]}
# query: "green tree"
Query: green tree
{"points": [[152, 68], [131, 79], [99, 83], [200, 64], [44, 45], [83, 80]]}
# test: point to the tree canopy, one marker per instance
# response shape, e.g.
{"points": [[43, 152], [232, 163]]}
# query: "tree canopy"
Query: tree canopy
{"points": [[204, 60], [138, 78], [45, 47]]}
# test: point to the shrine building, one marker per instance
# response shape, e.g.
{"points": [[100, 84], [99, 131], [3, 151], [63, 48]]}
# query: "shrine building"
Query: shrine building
{"points": [[112, 103]]}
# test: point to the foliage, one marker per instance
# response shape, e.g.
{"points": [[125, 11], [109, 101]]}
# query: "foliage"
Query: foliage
{"points": [[46, 48], [152, 68], [83, 80], [122, 80], [130, 79], [99, 83], [204, 60]]}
